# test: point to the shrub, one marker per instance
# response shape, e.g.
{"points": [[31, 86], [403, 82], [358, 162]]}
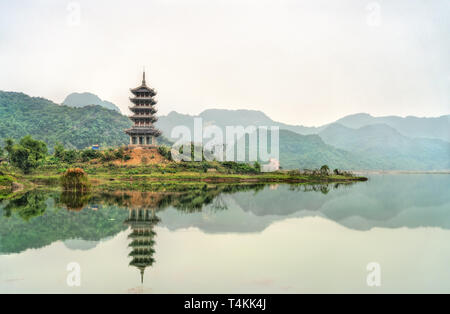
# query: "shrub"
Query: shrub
{"points": [[89, 154], [75, 179], [165, 152], [70, 156]]}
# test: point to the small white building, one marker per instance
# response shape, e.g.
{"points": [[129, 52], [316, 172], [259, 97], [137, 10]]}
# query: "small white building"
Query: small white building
{"points": [[273, 165]]}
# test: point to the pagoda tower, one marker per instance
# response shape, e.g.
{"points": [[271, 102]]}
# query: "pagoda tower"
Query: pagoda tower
{"points": [[142, 221], [143, 133]]}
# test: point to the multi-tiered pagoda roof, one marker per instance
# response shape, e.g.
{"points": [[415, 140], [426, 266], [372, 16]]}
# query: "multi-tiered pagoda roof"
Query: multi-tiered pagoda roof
{"points": [[142, 221], [143, 132]]}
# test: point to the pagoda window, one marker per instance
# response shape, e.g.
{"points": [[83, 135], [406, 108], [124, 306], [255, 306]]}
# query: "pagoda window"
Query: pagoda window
{"points": [[141, 140], [134, 140]]}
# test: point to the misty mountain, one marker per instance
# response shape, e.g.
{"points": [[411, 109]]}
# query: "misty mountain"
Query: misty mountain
{"points": [[410, 126], [375, 146], [310, 151], [223, 118], [388, 148], [86, 99]]}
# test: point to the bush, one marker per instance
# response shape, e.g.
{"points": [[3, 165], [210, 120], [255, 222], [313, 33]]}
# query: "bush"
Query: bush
{"points": [[70, 156], [75, 179], [237, 167], [120, 153], [165, 152], [89, 154]]}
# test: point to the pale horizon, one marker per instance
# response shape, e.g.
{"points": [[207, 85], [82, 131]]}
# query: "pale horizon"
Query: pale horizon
{"points": [[300, 62]]}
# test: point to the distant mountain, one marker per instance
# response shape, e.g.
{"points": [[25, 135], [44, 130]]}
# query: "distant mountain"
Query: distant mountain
{"points": [[373, 146], [438, 128], [410, 126], [223, 118], [86, 99], [310, 151], [296, 150], [389, 149], [21, 114]]}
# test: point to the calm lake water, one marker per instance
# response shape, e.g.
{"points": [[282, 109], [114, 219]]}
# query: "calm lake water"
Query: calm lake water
{"points": [[232, 239]]}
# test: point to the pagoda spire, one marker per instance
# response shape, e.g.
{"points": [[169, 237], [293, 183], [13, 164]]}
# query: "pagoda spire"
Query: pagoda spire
{"points": [[142, 275], [143, 77]]}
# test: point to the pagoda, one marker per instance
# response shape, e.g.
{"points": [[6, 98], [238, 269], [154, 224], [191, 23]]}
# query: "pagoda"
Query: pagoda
{"points": [[143, 132], [142, 221]]}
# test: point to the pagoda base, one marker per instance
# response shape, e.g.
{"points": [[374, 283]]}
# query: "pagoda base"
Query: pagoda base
{"points": [[142, 145], [143, 140]]}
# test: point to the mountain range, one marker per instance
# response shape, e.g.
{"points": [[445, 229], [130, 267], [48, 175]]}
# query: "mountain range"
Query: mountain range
{"points": [[354, 142]]}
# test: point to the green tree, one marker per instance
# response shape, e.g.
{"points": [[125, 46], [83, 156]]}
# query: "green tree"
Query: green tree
{"points": [[9, 143], [324, 170], [27, 154], [58, 150], [38, 149]]}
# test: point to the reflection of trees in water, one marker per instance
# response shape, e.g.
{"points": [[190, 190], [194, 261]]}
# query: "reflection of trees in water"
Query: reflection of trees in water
{"points": [[27, 206], [323, 188], [74, 200], [191, 200]]}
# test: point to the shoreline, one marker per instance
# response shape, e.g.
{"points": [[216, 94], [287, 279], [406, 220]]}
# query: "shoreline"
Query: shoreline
{"points": [[381, 172]]}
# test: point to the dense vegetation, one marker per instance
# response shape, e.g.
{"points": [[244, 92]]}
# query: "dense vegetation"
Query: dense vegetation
{"points": [[74, 127], [27, 154]]}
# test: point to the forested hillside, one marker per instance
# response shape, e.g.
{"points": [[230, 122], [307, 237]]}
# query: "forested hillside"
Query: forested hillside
{"points": [[74, 127]]}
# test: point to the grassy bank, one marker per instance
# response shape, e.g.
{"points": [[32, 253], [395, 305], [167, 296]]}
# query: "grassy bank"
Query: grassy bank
{"points": [[155, 177], [146, 169]]}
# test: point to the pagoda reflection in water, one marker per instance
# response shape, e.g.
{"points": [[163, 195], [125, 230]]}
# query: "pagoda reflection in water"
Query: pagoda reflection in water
{"points": [[142, 221]]}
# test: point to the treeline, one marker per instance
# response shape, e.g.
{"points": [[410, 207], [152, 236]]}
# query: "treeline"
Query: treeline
{"points": [[29, 154]]}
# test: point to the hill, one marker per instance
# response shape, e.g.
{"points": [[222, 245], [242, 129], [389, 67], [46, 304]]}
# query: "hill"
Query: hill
{"points": [[74, 127], [389, 149], [223, 118], [438, 127], [79, 100], [310, 151]]}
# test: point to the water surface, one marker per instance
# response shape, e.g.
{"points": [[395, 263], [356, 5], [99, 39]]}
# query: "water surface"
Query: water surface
{"points": [[232, 239]]}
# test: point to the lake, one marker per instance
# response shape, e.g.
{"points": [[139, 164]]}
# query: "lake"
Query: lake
{"points": [[232, 239]]}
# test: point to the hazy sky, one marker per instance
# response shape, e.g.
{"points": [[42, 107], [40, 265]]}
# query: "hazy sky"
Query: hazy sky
{"points": [[303, 62]]}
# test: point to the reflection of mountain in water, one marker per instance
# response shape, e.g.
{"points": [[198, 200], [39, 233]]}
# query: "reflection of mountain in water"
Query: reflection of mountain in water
{"points": [[391, 201], [37, 219], [79, 244]]}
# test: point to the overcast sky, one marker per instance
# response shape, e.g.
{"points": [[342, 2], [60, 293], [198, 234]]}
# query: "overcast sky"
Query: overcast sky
{"points": [[303, 62]]}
